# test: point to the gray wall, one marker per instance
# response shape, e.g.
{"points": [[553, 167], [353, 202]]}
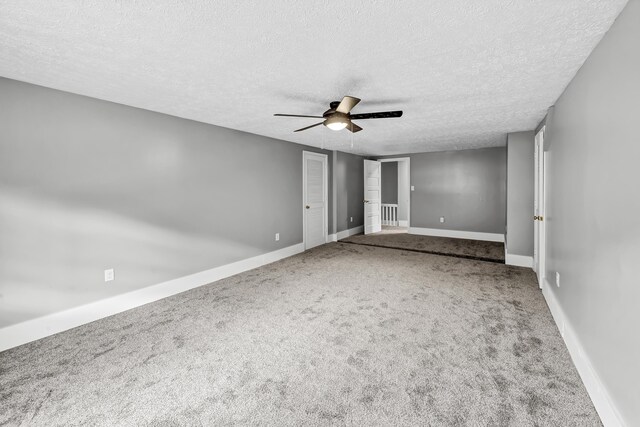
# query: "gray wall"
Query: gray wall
{"points": [[389, 177], [520, 158], [87, 185], [467, 187], [349, 178], [593, 208]]}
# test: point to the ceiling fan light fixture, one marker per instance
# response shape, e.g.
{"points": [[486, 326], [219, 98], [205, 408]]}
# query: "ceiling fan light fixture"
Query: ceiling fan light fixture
{"points": [[339, 116], [337, 125], [337, 122]]}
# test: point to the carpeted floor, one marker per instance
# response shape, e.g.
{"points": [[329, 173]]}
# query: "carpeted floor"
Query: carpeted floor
{"points": [[340, 335], [395, 237]]}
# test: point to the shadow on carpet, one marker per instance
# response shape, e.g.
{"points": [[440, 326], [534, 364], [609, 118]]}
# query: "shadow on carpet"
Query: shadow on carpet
{"points": [[461, 248]]}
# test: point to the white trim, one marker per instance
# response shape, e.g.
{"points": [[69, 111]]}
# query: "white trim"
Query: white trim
{"points": [[598, 392], [518, 260], [325, 172], [332, 238], [473, 235], [539, 190], [350, 232], [31, 330], [403, 223]]}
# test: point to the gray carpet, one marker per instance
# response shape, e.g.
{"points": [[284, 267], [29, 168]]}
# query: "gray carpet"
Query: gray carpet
{"points": [[340, 335], [462, 248]]}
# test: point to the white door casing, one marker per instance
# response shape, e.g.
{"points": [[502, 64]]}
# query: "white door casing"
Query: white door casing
{"points": [[372, 196], [539, 218], [314, 199], [404, 188]]}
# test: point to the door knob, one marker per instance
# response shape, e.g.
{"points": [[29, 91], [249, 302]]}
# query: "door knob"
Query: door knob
{"points": [[307, 206]]}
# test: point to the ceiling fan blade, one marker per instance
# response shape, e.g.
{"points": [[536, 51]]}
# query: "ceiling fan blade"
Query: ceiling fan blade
{"points": [[354, 127], [380, 115], [309, 127], [347, 103], [298, 115]]}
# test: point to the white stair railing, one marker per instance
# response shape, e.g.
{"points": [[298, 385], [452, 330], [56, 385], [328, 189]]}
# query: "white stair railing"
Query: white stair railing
{"points": [[389, 214]]}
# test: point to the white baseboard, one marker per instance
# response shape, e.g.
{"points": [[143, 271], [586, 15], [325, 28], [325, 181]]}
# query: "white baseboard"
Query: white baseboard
{"points": [[599, 394], [332, 238], [518, 260], [403, 223], [31, 330], [473, 235], [350, 232]]}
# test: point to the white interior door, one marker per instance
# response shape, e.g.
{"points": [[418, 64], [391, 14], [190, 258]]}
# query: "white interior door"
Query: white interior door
{"points": [[314, 173], [372, 196], [539, 213]]}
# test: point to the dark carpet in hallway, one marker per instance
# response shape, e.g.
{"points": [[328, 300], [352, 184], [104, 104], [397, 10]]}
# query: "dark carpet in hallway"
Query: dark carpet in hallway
{"points": [[461, 248]]}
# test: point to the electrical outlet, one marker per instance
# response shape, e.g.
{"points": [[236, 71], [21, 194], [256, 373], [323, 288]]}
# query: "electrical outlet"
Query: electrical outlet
{"points": [[557, 279], [350, 219], [109, 275], [277, 237], [413, 188], [441, 219]]}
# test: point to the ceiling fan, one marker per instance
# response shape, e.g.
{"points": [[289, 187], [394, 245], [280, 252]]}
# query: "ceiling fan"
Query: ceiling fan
{"points": [[339, 116]]}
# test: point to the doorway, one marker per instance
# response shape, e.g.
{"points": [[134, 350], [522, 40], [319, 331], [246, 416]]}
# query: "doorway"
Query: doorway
{"points": [[314, 199], [387, 202], [539, 220], [396, 190]]}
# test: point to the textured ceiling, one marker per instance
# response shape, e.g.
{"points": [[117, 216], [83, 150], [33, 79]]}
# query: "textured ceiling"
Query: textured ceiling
{"points": [[465, 72]]}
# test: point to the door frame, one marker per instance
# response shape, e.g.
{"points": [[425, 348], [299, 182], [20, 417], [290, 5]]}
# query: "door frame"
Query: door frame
{"points": [[539, 200], [407, 160], [324, 158]]}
